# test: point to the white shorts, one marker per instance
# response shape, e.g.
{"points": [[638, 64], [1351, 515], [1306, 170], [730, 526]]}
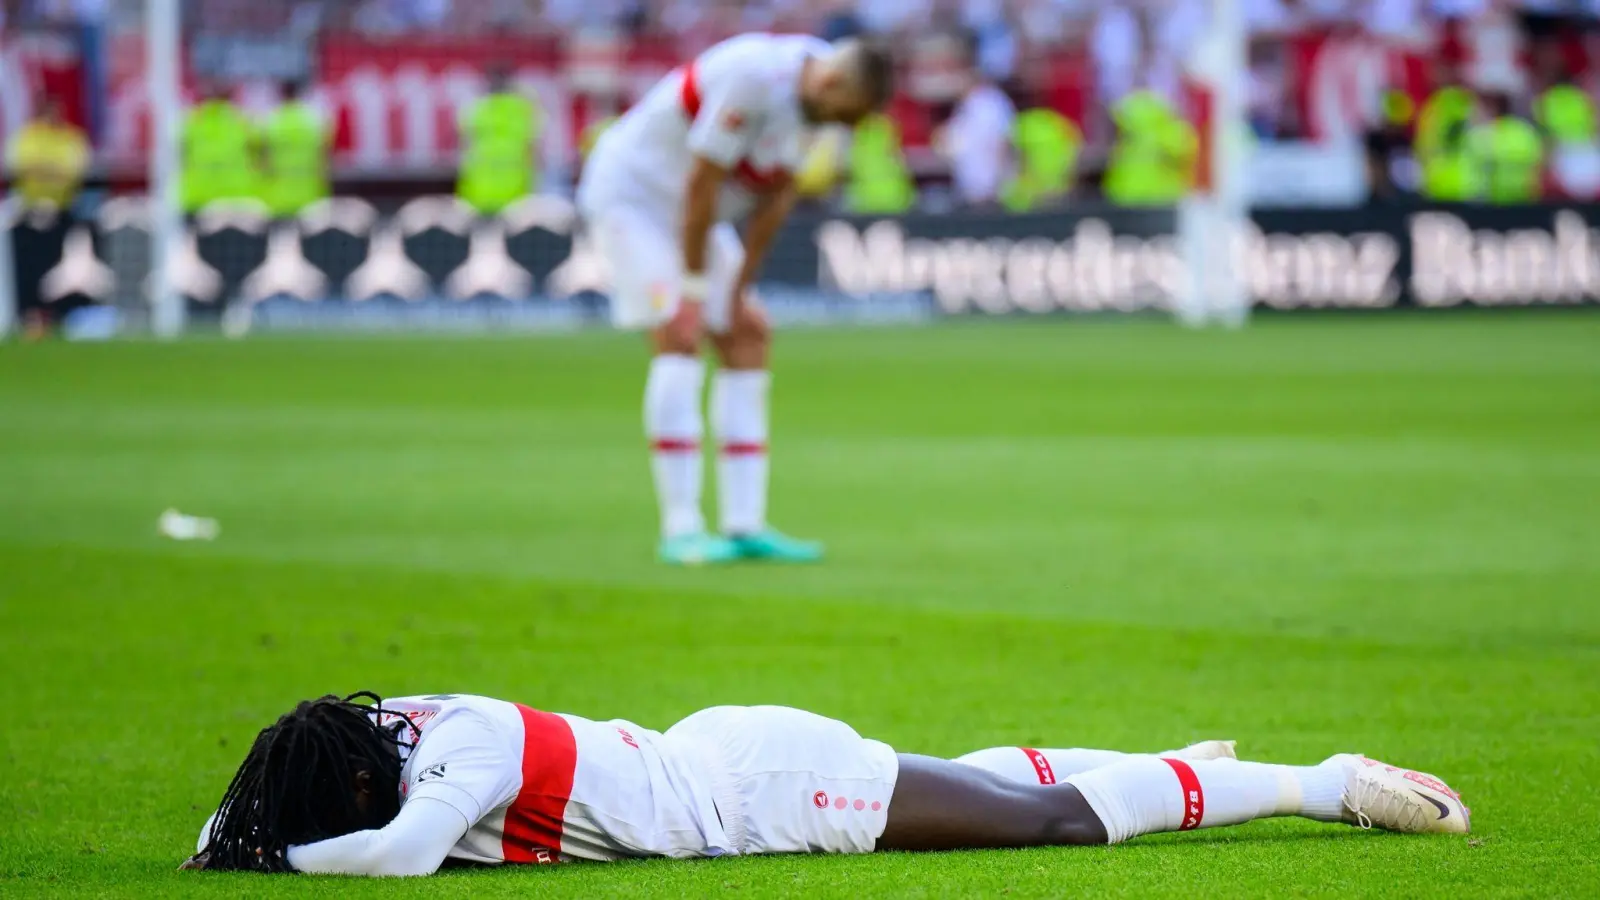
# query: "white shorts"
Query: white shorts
{"points": [[789, 781], [640, 246]]}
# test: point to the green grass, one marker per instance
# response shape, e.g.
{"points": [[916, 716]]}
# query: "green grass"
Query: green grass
{"points": [[1322, 534]]}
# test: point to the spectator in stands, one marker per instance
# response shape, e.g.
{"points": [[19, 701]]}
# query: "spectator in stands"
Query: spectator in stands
{"points": [[1117, 43], [892, 16], [1390, 166], [839, 21], [46, 161], [977, 138], [995, 40], [1449, 171], [391, 17], [1266, 86], [1141, 44], [1509, 151], [1566, 114]]}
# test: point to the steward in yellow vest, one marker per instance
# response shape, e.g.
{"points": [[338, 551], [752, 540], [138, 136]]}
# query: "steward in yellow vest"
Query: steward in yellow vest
{"points": [[1510, 154], [218, 154], [499, 132], [295, 155], [1047, 145], [1153, 160], [880, 183], [1449, 171]]}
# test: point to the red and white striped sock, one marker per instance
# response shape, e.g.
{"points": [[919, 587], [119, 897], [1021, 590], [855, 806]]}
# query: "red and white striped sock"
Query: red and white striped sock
{"points": [[1147, 794], [1030, 766], [739, 419], [673, 423]]}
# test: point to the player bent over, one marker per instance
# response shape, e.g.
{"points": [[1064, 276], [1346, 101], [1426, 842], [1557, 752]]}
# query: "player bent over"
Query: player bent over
{"points": [[398, 787], [714, 144]]}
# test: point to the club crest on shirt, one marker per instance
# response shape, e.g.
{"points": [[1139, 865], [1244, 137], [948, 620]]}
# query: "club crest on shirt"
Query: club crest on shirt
{"points": [[733, 120], [431, 773]]}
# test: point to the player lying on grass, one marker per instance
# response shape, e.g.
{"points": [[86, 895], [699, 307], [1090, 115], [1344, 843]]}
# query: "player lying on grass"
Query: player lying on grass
{"points": [[399, 787]]}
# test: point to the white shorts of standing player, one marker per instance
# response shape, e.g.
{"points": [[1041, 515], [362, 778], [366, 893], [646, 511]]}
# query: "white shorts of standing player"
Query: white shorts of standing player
{"points": [[790, 781], [639, 245]]}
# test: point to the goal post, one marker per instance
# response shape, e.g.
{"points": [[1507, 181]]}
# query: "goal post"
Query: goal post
{"points": [[1213, 220], [8, 270], [163, 71]]}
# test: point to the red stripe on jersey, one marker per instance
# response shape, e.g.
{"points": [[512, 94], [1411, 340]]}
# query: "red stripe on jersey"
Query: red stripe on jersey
{"points": [[1194, 799], [689, 94], [675, 445], [1041, 766], [752, 177], [744, 448], [549, 761]]}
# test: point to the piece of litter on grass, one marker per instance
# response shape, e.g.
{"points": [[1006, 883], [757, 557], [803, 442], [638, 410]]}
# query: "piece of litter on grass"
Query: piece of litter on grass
{"points": [[181, 527]]}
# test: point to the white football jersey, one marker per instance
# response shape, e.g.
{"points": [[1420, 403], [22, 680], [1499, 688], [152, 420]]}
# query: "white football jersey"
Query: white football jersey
{"points": [[737, 104], [541, 787]]}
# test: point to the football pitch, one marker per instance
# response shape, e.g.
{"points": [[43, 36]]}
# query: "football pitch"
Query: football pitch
{"points": [[1371, 534]]}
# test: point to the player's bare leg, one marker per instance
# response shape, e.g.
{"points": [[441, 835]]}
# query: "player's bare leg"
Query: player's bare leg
{"points": [[939, 804], [739, 417], [674, 425], [947, 805]]}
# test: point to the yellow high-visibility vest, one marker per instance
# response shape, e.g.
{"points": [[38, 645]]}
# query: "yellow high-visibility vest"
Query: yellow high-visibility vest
{"points": [[218, 163], [498, 134], [296, 157]]}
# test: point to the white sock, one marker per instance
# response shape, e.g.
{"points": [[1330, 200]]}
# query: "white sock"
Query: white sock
{"points": [[739, 418], [1148, 794], [1321, 791], [673, 423], [1031, 766]]}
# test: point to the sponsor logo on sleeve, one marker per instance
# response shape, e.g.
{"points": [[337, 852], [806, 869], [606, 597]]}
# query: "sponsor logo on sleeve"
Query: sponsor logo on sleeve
{"points": [[431, 773]]}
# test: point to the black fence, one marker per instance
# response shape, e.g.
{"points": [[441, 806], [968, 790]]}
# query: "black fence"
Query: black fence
{"points": [[433, 264]]}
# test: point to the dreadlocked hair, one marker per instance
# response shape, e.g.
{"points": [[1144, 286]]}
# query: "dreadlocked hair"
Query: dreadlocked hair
{"points": [[295, 785]]}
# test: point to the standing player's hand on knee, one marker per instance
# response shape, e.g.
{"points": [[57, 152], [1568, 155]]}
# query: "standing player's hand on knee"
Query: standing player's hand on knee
{"points": [[749, 315], [686, 325]]}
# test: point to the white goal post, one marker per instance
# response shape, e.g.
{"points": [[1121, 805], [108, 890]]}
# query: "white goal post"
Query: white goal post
{"points": [[1212, 221], [8, 272], [164, 68]]}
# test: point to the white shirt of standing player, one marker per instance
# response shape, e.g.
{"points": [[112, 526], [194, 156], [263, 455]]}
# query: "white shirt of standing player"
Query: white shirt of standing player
{"points": [[736, 105]]}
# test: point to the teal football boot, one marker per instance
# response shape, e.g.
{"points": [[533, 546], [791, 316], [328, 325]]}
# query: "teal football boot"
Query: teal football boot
{"points": [[697, 549], [774, 545]]}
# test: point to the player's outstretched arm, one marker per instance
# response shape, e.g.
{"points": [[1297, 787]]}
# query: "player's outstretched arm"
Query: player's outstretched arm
{"points": [[415, 843]]}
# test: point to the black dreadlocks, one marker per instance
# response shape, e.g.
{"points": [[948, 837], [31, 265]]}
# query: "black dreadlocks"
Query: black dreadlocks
{"points": [[296, 785]]}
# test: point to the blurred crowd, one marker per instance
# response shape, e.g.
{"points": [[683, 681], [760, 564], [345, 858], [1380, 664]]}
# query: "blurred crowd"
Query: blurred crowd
{"points": [[1014, 105], [1127, 44], [1020, 103]]}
